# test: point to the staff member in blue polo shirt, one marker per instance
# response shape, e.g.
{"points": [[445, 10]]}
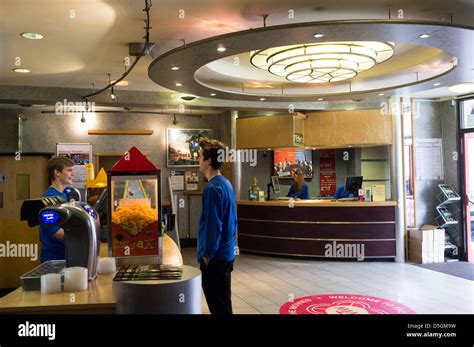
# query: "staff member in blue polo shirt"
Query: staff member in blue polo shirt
{"points": [[217, 230], [299, 189], [52, 238]]}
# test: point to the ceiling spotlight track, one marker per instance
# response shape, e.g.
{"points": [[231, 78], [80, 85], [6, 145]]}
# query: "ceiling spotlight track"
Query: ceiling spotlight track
{"points": [[147, 8], [322, 62]]}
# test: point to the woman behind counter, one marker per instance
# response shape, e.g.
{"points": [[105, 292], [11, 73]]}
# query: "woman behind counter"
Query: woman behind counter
{"points": [[299, 189]]}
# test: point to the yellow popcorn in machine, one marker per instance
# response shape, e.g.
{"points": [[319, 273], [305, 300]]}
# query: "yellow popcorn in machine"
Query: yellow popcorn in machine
{"points": [[134, 185]]}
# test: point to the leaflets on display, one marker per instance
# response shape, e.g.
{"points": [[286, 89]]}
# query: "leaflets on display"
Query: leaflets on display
{"points": [[447, 215], [192, 180], [378, 192], [449, 192], [177, 180]]}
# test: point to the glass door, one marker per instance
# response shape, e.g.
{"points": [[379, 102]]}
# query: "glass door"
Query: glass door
{"points": [[468, 144], [467, 172]]}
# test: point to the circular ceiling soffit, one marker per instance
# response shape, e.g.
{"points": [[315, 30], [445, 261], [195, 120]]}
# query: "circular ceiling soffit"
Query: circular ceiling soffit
{"points": [[287, 63]]}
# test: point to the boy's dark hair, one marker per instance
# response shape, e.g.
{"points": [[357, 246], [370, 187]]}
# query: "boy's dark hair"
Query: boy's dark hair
{"points": [[58, 163], [210, 150]]}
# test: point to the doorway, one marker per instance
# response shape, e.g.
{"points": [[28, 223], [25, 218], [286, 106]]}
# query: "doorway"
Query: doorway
{"points": [[468, 194], [21, 178], [467, 173]]}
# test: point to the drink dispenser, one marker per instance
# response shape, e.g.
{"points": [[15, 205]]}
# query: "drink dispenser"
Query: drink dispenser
{"points": [[81, 228], [81, 233]]}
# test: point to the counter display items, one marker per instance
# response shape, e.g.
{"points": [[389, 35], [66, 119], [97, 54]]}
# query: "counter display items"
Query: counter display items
{"points": [[135, 205]]}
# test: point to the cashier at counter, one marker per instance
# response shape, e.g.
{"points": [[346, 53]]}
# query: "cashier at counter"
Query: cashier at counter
{"points": [[299, 189]]}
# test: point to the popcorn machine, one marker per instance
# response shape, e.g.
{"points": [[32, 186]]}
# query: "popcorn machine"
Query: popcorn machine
{"points": [[134, 199]]}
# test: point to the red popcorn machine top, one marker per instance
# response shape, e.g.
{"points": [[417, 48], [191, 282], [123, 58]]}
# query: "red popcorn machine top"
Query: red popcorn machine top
{"points": [[134, 200]]}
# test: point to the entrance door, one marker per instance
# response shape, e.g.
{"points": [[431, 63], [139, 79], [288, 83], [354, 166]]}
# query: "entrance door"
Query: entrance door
{"points": [[468, 144], [19, 180]]}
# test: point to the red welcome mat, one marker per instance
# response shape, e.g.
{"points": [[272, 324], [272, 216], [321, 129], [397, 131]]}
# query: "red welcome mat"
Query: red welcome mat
{"points": [[343, 304]]}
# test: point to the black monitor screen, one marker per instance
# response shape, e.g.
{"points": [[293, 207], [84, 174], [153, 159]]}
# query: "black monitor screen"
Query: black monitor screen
{"points": [[353, 184]]}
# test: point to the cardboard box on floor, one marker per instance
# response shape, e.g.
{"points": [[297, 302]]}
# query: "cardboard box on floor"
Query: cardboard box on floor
{"points": [[426, 245]]}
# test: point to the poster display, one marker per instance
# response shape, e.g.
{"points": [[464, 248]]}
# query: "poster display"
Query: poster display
{"points": [[327, 183], [81, 154], [192, 180], [327, 160], [286, 161], [177, 180], [429, 159], [183, 146]]}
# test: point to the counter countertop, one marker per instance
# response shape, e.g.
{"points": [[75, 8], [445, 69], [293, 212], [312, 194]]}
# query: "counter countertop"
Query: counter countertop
{"points": [[317, 203], [97, 299]]}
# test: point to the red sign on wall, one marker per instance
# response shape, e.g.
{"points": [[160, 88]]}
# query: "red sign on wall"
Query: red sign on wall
{"points": [[327, 160], [327, 183]]}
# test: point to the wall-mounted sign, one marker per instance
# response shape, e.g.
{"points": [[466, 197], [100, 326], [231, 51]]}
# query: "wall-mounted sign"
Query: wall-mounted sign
{"points": [[327, 183], [327, 160], [298, 138], [177, 180], [81, 154]]}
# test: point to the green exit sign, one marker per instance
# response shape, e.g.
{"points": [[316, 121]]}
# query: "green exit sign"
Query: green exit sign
{"points": [[298, 138]]}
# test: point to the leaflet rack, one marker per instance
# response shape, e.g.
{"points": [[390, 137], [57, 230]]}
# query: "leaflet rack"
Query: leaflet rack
{"points": [[448, 209]]}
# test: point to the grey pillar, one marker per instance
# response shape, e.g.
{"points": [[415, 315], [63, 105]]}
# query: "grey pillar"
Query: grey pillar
{"points": [[396, 169]]}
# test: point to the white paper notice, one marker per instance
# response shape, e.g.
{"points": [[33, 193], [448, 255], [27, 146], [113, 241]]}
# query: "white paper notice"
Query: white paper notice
{"points": [[177, 180], [429, 159]]}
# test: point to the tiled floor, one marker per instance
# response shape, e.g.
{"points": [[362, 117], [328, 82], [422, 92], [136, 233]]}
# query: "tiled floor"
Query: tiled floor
{"points": [[261, 284]]}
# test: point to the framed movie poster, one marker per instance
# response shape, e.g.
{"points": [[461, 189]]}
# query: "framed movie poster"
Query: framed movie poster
{"points": [[286, 161], [183, 146]]}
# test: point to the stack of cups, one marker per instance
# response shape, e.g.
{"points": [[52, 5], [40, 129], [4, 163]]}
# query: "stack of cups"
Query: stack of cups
{"points": [[75, 279], [50, 283], [107, 266]]}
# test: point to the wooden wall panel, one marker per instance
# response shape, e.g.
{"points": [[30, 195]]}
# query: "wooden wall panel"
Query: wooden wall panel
{"points": [[267, 131], [343, 128]]}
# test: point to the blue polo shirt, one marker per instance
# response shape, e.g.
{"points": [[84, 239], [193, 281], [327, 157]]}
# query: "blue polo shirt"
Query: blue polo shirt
{"points": [[341, 193], [218, 222], [302, 194], [51, 247]]}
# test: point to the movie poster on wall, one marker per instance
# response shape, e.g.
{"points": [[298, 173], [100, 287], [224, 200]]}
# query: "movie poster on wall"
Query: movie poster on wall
{"points": [[183, 146], [80, 154], [286, 161]]}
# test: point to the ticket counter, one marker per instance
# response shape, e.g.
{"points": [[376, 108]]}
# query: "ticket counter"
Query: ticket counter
{"points": [[319, 229]]}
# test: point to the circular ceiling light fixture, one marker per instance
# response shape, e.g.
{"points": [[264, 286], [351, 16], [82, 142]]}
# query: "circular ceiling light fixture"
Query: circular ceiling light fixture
{"points": [[322, 62], [462, 88]]}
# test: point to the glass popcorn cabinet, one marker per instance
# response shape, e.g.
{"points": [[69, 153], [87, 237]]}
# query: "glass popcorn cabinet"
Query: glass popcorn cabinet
{"points": [[134, 197]]}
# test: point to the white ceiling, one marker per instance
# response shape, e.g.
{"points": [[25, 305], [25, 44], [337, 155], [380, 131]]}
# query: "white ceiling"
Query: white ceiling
{"points": [[86, 39]]}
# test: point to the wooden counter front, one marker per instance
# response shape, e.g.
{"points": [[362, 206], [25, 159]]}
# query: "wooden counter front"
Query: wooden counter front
{"points": [[97, 299], [312, 228]]}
